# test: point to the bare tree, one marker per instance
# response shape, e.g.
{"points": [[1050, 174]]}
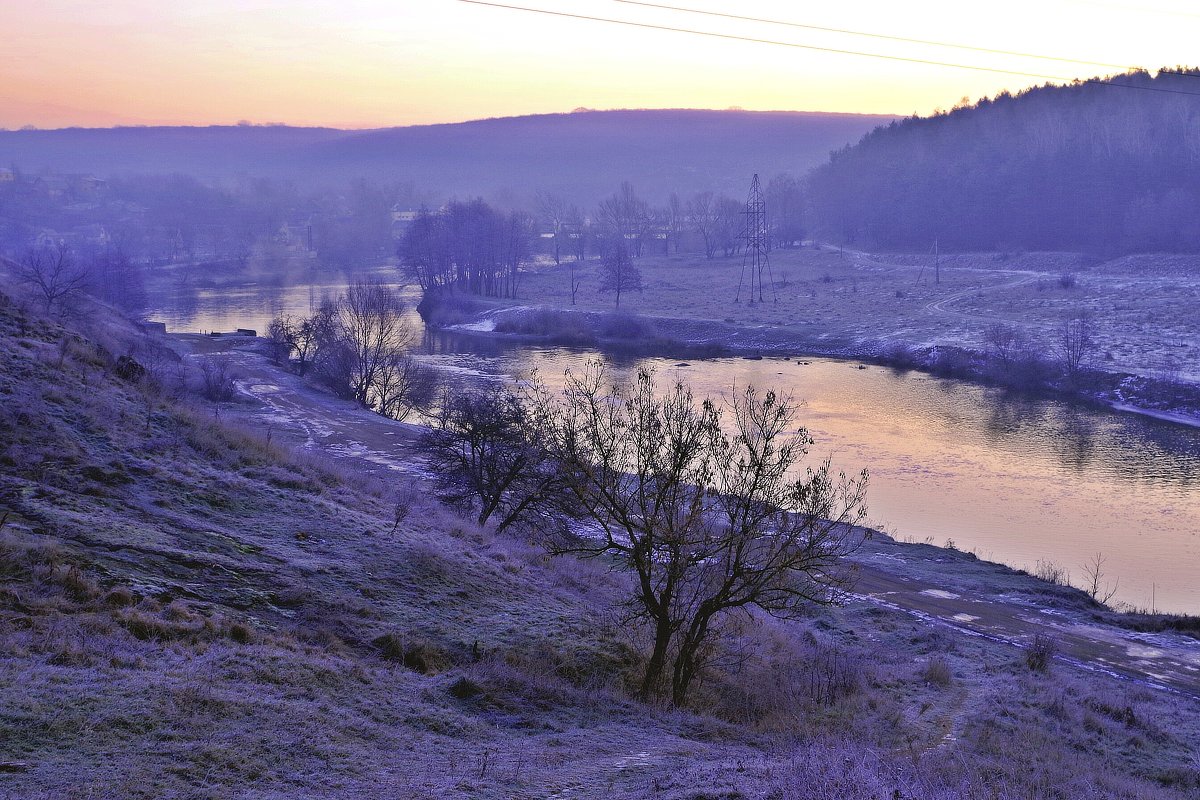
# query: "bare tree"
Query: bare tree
{"points": [[55, 276], [728, 224], [553, 210], [217, 379], [484, 453], [617, 271], [701, 212], [372, 328], [114, 278], [308, 335], [1004, 343], [710, 523], [577, 227], [1076, 344], [625, 216], [675, 216], [281, 335], [1093, 575], [403, 385], [785, 207]]}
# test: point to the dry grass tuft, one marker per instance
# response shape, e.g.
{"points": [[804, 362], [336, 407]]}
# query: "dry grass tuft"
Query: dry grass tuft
{"points": [[415, 654], [937, 672], [1039, 653]]}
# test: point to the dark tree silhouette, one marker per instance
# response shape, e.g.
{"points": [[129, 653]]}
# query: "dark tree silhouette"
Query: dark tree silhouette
{"points": [[618, 274], [708, 521]]}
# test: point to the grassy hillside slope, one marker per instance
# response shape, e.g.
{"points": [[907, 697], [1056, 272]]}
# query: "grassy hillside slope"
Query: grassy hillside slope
{"points": [[189, 610]]}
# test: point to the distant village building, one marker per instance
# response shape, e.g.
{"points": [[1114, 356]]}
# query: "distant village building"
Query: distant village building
{"points": [[7, 176], [405, 215], [401, 219]]}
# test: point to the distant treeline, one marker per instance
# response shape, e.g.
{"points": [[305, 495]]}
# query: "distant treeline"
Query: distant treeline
{"points": [[1091, 166]]}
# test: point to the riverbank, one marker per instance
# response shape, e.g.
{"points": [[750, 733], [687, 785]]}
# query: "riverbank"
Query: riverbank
{"points": [[672, 337], [944, 587], [939, 314]]}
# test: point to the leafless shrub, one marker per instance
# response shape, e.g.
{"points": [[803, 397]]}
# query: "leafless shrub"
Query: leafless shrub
{"points": [[1040, 652], [1052, 572], [562, 327], [1076, 344], [407, 496], [1003, 342], [53, 274], [901, 354], [486, 457], [1093, 581], [241, 633], [217, 379], [832, 674]]}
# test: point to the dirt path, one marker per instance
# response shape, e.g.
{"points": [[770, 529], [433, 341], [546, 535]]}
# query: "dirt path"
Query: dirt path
{"points": [[917, 579], [939, 306], [1162, 661]]}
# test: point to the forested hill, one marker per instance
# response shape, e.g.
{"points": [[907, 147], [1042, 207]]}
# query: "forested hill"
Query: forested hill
{"points": [[581, 155], [1089, 166]]}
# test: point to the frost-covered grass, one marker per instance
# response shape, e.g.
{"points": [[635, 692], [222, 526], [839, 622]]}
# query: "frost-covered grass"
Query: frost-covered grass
{"points": [[190, 610], [1142, 306]]}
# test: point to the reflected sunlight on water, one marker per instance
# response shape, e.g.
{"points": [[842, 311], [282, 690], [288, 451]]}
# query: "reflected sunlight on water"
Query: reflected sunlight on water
{"points": [[1015, 480]]}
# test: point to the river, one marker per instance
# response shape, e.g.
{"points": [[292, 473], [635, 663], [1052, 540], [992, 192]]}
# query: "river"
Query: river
{"points": [[1014, 480]]}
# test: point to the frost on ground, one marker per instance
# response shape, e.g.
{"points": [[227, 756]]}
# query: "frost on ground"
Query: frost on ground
{"points": [[1143, 307], [199, 607]]}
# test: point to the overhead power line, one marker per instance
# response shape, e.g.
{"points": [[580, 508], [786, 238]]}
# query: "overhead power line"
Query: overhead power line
{"points": [[735, 37], [888, 37], [891, 38], [798, 45]]}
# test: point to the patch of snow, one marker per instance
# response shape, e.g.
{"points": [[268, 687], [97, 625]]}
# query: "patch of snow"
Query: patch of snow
{"points": [[940, 593], [1140, 651]]}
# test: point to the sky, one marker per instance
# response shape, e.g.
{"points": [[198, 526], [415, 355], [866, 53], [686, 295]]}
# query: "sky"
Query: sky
{"points": [[368, 63]]}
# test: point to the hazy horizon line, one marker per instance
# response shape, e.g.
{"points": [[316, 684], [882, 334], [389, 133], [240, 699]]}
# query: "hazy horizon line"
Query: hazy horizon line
{"points": [[372, 127]]}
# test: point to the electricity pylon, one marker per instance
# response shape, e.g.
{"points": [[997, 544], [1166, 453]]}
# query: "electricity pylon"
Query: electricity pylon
{"points": [[756, 238]]}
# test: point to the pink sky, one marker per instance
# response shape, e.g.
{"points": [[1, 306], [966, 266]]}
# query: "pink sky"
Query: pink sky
{"points": [[362, 63]]}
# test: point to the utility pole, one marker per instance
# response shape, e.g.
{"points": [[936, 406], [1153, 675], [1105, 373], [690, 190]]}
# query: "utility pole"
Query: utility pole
{"points": [[937, 266], [756, 236]]}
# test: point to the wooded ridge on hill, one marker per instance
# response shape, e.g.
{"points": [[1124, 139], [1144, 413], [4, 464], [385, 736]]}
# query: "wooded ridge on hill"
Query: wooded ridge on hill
{"points": [[1092, 166]]}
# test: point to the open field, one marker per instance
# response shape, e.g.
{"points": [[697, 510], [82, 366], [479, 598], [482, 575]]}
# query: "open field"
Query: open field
{"points": [[1143, 307]]}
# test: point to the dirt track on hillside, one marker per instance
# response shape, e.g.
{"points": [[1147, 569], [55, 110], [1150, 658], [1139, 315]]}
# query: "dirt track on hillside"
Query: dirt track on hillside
{"points": [[942, 587]]}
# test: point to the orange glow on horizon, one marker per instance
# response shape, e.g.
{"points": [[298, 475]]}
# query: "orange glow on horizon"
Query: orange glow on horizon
{"points": [[371, 64]]}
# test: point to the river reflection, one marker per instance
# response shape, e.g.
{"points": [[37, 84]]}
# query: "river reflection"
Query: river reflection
{"points": [[1015, 480]]}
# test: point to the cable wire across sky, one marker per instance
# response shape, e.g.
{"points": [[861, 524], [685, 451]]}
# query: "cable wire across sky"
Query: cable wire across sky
{"points": [[888, 37], [840, 51]]}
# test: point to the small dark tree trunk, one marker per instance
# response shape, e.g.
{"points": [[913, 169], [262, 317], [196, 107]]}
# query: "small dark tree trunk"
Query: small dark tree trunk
{"points": [[686, 662], [663, 631]]}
